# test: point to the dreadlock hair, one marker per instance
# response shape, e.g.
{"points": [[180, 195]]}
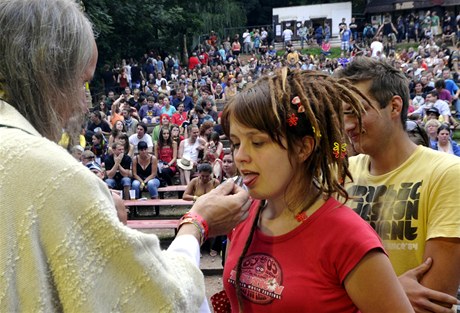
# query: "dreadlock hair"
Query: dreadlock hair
{"points": [[268, 104]]}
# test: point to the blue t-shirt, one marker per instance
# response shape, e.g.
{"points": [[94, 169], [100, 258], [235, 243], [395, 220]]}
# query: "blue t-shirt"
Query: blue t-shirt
{"points": [[346, 35]]}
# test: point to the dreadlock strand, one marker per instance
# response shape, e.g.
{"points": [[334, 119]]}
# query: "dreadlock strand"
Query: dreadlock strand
{"points": [[242, 256]]}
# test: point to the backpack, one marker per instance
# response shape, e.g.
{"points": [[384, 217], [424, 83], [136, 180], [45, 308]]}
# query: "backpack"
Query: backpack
{"points": [[369, 32]]}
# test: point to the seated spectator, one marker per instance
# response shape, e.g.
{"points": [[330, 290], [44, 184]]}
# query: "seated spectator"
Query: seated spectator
{"points": [[326, 48], [193, 120], [182, 97], [118, 129], [443, 93], [164, 88], [116, 109], [213, 154], [228, 165], [118, 170], [166, 153], [124, 140], [145, 172], [97, 124], [119, 205], [99, 147], [431, 128], [165, 121], [76, 151], [219, 93], [167, 108], [180, 116], [176, 134], [188, 155], [141, 135], [210, 109], [130, 121], [149, 113], [431, 100], [417, 134], [87, 156], [202, 184], [445, 143]]}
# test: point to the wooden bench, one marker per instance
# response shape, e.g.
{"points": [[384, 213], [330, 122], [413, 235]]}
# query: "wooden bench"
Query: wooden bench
{"points": [[154, 224], [157, 203], [175, 188]]}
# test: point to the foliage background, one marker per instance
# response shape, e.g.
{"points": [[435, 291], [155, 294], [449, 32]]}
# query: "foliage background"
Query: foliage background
{"points": [[130, 28]]}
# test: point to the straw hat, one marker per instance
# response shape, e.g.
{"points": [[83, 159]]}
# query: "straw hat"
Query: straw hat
{"points": [[185, 164]]}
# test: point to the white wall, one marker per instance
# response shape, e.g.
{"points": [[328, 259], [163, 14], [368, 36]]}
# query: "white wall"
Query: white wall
{"points": [[334, 11]]}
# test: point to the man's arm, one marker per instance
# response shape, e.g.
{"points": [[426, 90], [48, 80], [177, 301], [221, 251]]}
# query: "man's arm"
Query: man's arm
{"points": [[444, 274], [181, 149], [422, 298]]}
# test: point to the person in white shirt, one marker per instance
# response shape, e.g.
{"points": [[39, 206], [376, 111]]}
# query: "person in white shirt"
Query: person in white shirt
{"points": [[141, 135], [287, 36]]}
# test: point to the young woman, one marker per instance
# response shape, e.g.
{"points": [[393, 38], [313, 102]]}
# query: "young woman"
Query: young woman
{"points": [[175, 134], [218, 93], [124, 140], [167, 108], [145, 172], [165, 121], [194, 120], [99, 147], [228, 165], [300, 250], [202, 184], [213, 154], [445, 143], [166, 153], [118, 129]]}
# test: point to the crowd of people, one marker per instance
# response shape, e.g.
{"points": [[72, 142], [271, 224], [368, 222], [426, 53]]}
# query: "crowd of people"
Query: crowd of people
{"points": [[306, 145]]}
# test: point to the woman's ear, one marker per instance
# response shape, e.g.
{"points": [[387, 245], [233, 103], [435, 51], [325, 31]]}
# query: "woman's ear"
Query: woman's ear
{"points": [[306, 148]]}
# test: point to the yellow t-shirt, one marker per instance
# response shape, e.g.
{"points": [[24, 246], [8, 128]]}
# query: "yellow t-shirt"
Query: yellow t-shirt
{"points": [[409, 205]]}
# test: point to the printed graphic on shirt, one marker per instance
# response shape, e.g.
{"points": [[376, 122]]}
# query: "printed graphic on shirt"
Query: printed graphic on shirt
{"points": [[391, 210], [261, 278]]}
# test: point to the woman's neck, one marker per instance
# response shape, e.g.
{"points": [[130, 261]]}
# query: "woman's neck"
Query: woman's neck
{"points": [[445, 145]]}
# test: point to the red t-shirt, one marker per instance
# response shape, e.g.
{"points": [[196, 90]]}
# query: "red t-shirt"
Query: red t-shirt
{"points": [[303, 270], [178, 118], [192, 62]]}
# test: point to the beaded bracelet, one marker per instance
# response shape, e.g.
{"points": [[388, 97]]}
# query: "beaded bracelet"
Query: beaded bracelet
{"points": [[201, 220], [189, 220]]}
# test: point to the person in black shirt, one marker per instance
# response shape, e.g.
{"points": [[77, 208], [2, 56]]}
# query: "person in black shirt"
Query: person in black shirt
{"points": [[118, 169]]}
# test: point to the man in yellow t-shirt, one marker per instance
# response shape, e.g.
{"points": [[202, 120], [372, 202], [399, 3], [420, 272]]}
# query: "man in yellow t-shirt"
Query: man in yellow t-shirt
{"points": [[409, 194]]}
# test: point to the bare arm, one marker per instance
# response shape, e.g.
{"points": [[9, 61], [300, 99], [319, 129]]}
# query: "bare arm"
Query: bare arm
{"points": [[190, 190], [156, 150], [135, 175], [125, 172], [153, 173], [174, 147], [422, 298], [373, 286], [180, 152], [444, 274]]}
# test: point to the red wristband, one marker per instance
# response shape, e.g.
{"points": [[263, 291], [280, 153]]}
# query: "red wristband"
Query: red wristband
{"points": [[200, 220]]}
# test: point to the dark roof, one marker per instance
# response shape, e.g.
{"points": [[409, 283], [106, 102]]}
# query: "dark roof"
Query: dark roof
{"points": [[384, 6]]}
